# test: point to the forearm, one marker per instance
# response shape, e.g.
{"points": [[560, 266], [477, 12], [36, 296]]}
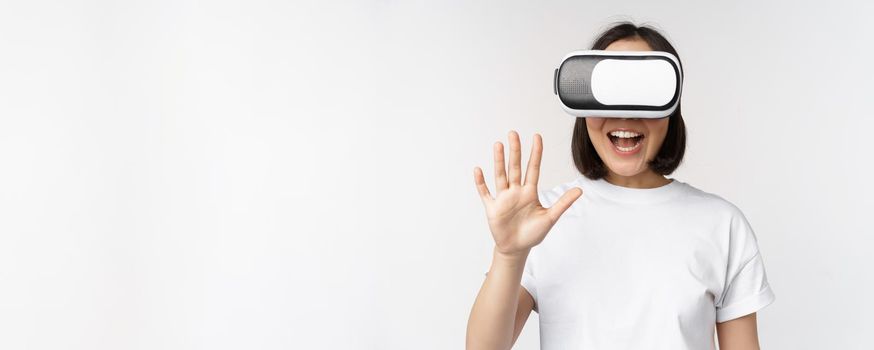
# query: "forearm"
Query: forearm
{"points": [[492, 318]]}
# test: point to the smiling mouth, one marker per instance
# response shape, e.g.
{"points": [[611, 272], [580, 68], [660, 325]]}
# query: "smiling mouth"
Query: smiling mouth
{"points": [[626, 140]]}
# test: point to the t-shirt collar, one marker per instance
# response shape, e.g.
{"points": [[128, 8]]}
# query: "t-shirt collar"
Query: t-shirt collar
{"points": [[631, 195]]}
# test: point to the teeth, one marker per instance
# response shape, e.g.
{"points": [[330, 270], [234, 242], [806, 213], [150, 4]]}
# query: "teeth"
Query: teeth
{"points": [[624, 134], [627, 149]]}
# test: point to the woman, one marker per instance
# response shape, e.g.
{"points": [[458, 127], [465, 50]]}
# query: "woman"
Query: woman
{"points": [[640, 261]]}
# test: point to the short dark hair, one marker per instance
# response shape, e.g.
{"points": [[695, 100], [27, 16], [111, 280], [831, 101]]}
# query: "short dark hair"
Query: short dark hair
{"points": [[670, 155]]}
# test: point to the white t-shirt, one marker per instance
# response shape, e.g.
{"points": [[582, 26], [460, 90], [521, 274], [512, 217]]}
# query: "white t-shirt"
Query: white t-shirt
{"points": [[628, 268]]}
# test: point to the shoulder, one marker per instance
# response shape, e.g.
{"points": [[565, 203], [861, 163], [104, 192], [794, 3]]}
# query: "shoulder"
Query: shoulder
{"points": [[733, 231], [710, 202]]}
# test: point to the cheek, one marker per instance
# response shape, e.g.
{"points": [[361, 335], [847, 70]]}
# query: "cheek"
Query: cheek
{"points": [[595, 123], [658, 130], [594, 127]]}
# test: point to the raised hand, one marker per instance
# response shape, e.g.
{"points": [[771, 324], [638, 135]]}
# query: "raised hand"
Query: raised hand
{"points": [[516, 218]]}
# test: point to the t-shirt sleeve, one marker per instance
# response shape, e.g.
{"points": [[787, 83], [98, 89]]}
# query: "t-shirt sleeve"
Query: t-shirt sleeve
{"points": [[746, 283], [529, 282]]}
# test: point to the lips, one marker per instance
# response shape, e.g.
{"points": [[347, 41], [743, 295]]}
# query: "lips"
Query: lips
{"points": [[626, 141]]}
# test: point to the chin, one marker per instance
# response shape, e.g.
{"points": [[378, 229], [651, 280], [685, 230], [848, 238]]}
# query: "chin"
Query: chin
{"points": [[626, 169]]}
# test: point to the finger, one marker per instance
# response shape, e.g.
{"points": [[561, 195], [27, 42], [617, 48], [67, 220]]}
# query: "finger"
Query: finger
{"points": [[564, 203], [533, 172], [481, 184], [500, 168], [515, 169]]}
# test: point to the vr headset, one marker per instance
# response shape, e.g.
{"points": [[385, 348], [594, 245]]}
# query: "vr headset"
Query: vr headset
{"points": [[619, 84]]}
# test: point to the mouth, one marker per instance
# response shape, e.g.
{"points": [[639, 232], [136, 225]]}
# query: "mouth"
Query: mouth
{"points": [[626, 141]]}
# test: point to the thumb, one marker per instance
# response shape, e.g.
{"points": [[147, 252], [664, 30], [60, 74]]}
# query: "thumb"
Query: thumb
{"points": [[564, 203]]}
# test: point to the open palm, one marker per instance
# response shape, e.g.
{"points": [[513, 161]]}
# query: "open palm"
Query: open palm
{"points": [[516, 217]]}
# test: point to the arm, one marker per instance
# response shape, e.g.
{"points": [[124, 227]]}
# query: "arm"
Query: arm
{"points": [[738, 334], [526, 305], [517, 222], [502, 306]]}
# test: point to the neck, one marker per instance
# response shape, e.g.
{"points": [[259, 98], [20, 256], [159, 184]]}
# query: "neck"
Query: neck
{"points": [[646, 179]]}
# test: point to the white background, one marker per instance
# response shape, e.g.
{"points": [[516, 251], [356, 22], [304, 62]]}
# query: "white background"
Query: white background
{"points": [[298, 175]]}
